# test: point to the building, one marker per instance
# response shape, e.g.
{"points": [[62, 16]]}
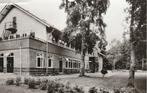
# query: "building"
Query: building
{"points": [[29, 45]]}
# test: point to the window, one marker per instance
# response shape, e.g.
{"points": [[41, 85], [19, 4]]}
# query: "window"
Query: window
{"points": [[39, 62], [79, 65], [49, 62], [74, 65], [69, 65], [66, 64]]}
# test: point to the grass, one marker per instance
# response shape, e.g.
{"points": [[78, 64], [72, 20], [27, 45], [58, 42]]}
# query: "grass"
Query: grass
{"points": [[112, 80], [20, 89]]}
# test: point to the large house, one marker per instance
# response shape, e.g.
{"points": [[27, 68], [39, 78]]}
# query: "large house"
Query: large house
{"points": [[29, 45]]}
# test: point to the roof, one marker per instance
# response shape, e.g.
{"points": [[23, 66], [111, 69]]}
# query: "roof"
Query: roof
{"points": [[9, 7]]}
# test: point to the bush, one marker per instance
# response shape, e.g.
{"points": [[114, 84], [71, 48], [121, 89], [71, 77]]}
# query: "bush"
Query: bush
{"points": [[51, 87], [26, 80], [104, 71], [32, 84], [18, 81], [77, 89], [38, 81], [10, 82], [43, 84], [54, 86], [93, 90], [104, 91], [68, 89]]}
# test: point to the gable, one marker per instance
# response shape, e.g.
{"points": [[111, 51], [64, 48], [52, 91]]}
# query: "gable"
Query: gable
{"points": [[25, 24], [25, 20]]}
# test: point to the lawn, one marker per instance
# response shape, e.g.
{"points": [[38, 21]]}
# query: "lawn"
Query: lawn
{"points": [[112, 80]]}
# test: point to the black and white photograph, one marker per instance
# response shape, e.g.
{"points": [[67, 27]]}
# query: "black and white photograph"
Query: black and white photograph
{"points": [[73, 46]]}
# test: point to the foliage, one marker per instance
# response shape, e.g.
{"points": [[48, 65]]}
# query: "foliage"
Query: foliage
{"points": [[104, 71], [106, 64], [52, 87], [26, 80], [32, 83], [80, 15], [18, 81], [85, 25], [78, 89], [10, 81], [38, 81], [120, 53], [93, 90], [137, 28], [43, 85], [137, 20]]}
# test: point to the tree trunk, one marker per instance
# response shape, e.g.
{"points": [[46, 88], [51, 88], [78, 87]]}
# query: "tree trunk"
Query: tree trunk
{"points": [[132, 68], [82, 66], [132, 55], [82, 69]]}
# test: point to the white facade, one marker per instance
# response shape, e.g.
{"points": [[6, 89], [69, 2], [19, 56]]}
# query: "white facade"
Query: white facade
{"points": [[25, 24]]}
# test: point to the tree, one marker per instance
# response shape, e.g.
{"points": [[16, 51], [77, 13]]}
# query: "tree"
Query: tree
{"points": [[81, 15], [137, 28], [119, 54]]}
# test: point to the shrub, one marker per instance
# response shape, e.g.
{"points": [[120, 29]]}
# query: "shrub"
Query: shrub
{"points": [[32, 83], [54, 86], [104, 91], [77, 89], [38, 81], [18, 81], [93, 90], [26, 80], [68, 89], [61, 90], [51, 87], [43, 84], [104, 71], [10, 82], [116, 90]]}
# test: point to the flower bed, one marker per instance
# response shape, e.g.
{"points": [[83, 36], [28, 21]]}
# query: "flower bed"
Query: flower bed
{"points": [[54, 86]]}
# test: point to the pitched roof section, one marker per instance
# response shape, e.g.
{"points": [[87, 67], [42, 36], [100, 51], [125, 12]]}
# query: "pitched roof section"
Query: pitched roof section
{"points": [[8, 8]]}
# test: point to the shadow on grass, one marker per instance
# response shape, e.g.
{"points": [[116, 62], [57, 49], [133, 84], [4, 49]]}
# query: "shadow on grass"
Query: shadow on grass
{"points": [[93, 77]]}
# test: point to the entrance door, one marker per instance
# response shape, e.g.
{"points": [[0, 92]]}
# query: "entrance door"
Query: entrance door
{"points": [[1, 64], [10, 64], [92, 64], [60, 66]]}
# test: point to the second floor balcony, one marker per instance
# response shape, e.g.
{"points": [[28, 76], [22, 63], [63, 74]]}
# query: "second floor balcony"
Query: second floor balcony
{"points": [[11, 26]]}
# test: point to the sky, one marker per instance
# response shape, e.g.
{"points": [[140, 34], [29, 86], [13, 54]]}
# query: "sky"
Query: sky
{"points": [[49, 11]]}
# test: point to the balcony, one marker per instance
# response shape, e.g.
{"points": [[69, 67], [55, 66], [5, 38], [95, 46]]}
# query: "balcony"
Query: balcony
{"points": [[11, 26]]}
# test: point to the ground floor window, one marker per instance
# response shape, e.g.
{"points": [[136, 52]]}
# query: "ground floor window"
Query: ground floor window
{"points": [[49, 62], [66, 64], [39, 62], [72, 64]]}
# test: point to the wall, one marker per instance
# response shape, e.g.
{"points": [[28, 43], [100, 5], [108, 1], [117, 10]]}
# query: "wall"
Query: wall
{"points": [[20, 48], [25, 24], [21, 59]]}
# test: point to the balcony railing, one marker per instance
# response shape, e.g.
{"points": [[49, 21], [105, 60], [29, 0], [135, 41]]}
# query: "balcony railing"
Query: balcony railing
{"points": [[11, 26]]}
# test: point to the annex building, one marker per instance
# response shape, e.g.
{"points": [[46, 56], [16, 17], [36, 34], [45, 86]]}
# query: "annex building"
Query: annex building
{"points": [[29, 45]]}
